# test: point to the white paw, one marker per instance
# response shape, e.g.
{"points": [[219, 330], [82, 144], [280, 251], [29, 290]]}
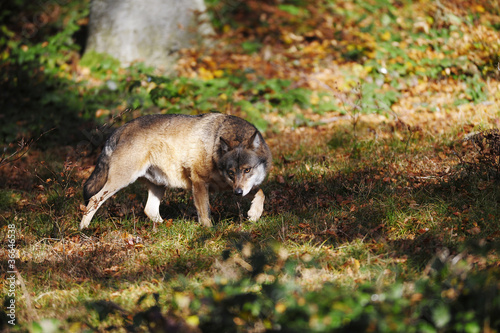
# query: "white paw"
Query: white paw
{"points": [[154, 216], [84, 224], [206, 222], [255, 213]]}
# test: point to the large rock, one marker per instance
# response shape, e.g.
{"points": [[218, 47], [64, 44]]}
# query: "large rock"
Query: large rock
{"points": [[146, 30]]}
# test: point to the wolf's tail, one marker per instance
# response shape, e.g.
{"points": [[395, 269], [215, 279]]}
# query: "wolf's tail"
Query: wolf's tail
{"points": [[99, 176]]}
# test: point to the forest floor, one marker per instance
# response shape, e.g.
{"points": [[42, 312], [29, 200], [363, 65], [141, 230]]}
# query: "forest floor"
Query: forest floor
{"points": [[383, 129]]}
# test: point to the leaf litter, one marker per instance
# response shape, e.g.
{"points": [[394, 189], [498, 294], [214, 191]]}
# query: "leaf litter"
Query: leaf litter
{"points": [[376, 170]]}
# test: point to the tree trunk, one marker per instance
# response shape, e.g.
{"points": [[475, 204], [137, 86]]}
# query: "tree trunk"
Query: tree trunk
{"points": [[146, 30]]}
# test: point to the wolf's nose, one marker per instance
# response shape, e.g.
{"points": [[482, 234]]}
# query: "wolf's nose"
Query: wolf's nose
{"points": [[238, 191]]}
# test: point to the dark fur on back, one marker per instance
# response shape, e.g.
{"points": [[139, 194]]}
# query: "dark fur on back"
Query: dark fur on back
{"points": [[99, 176]]}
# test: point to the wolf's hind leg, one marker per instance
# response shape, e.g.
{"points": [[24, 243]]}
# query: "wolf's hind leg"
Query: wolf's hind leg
{"points": [[95, 202], [257, 206], [152, 209], [115, 182]]}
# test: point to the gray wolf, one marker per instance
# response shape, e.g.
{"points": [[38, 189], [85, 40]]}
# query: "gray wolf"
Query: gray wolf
{"points": [[209, 152]]}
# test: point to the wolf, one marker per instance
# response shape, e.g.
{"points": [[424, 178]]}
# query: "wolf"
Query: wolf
{"points": [[203, 153]]}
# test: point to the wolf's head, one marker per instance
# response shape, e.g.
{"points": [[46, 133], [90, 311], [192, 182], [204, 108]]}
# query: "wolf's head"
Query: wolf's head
{"points": [[243, 166]]}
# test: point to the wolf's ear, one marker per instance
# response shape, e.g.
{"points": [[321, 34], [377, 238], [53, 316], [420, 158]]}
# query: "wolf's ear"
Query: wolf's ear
{"points": [[255, 141], [224, 146]]}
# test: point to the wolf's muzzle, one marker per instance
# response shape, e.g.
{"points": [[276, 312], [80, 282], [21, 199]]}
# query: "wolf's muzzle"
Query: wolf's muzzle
{"points": [[238, 191]]}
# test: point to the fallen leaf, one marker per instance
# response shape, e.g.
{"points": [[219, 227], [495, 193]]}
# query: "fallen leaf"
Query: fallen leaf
{"points": [[474, 231]]}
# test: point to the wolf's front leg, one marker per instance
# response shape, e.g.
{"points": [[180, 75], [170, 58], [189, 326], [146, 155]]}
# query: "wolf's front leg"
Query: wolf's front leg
{"points": [[257, 206], [152, 209], [202, 203]]}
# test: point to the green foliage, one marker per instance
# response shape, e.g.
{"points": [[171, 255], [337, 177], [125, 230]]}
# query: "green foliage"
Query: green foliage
{"points": [[279, 95], [459, 299], [43, 79], [225, 13], [46, 326], [34, 76], [99, 63], [185, 95], [8, 198], [294, 10], [56, 51], [475, 90], [251, 46], [451, 299], [367, 201], [375, 99]]}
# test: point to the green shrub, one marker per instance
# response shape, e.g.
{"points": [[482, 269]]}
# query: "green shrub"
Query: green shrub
{"points": [[265, 297]]}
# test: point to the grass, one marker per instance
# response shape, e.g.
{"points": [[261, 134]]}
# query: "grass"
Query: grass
{"points": [[343, 217], [381, 211]]}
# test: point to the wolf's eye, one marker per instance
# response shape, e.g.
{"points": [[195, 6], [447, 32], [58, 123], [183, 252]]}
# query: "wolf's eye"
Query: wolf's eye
{"points": [[247, 170], [230, 174]]}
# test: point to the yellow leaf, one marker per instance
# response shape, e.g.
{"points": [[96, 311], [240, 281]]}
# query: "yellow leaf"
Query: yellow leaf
{"points": [[162, 101], [356, 265], [280, 307], [218, 73], [182, 300], [75, 327], [4, 55], [193, 320], [416, 298], [386, 36], [238, 321], [101, 112], [205, 74], [314, 98]]}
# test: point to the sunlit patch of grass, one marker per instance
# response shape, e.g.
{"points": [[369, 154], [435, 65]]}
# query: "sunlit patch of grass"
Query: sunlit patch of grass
{"points": [[376, 217], [363, 195]]}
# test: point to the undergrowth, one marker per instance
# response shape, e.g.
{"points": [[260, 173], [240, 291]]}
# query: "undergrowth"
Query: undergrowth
{"points": [[381, 210]]}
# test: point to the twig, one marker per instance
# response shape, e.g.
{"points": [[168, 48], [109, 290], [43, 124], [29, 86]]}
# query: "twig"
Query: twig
{"points": [[24, 147], [427, 177], [333, 119], [408, 141], [47, 239]]}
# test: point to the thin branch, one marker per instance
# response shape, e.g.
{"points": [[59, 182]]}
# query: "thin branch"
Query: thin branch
{"points": [[24, 147]]}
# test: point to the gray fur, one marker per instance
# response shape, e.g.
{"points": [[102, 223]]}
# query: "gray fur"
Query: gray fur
{"points": [[201, 153]]}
